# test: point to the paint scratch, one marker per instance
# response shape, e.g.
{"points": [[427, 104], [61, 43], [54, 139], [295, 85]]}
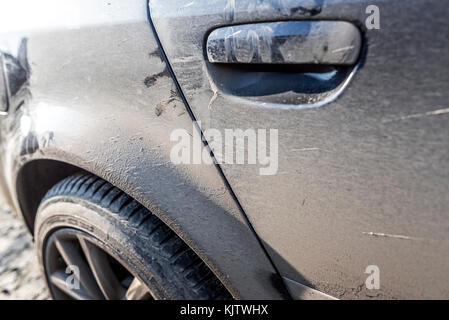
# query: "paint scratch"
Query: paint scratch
{"points": [[189, 4], [377, 234], [310, 149], [212, 100], [214, 89], [419, 115], [343, 49]]}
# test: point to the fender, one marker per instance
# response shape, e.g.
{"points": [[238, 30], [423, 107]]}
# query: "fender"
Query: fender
{"points": [[103, 101]]}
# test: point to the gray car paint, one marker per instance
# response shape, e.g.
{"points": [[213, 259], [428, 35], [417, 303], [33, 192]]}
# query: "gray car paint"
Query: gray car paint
{"points": [[362, 180], [95, 94]]}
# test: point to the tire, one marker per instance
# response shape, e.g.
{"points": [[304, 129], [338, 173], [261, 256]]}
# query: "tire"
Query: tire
{"points": [[87, 209]]}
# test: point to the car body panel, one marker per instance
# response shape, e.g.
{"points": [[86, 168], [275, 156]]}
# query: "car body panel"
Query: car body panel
{"points": [[96, 94], [362, 180]]}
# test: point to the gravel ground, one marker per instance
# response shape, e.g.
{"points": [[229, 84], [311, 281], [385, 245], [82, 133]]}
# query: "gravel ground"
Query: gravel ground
{"points": [[20, 276]]}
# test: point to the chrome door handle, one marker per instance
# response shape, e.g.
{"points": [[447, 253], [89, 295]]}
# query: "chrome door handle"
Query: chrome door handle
{"points": [[292, 42]]}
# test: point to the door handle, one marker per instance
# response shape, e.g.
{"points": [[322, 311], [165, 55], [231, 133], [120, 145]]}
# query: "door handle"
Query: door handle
{"points": [[336, 43]]}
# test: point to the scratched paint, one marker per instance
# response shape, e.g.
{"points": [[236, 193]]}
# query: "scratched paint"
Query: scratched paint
{"points": [[329, 43]]}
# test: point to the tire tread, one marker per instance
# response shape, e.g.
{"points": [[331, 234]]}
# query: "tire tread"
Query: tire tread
{"points": [[197, 275]]}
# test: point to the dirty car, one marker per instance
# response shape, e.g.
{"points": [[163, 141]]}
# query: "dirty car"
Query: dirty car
{"points": [[229, 149]]}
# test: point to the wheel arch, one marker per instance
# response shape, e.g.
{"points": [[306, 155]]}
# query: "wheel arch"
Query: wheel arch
{"points": [[38, 176], [33, 181]]}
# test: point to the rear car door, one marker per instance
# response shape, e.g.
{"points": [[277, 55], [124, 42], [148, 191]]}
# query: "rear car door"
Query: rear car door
{"points": [[361, 180]]}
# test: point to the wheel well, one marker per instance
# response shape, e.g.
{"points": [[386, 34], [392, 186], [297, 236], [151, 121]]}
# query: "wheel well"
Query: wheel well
{"points": [[37, 177], [34, 180]]}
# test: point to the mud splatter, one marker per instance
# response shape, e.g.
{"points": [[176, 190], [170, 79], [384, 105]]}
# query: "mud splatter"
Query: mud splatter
{"points": [[156, 53], [306, 11], [151, 80]]}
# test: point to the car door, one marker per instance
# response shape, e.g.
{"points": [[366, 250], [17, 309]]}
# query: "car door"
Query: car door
{"points": [[357, 205]]}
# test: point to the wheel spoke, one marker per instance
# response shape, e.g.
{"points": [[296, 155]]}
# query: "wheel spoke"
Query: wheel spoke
{"points": [[101, 268], [137, 291], [72, 256], [58, 279]]}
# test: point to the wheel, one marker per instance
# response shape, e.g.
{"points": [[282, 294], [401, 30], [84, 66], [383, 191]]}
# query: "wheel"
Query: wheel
{"points": [[96, 242]]}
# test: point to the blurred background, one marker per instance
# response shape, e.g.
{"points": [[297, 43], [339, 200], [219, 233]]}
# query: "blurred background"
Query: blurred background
{"points": [[20, 277]]}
